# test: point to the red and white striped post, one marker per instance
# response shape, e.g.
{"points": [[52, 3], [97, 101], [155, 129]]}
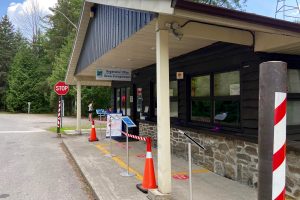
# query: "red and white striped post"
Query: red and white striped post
{"points": [[279, 146], [272, 130], [59, 117]]}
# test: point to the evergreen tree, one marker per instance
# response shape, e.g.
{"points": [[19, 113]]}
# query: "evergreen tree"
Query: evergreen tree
{"points": [[8, 47], [60, 27], [59, 68], [27, 82]]}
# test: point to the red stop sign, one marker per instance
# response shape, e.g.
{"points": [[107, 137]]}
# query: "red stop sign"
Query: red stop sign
{"points": [[61, 88]]}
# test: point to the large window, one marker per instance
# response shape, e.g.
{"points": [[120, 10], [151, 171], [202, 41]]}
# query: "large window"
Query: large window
{"points": [[173, 99], [201, 100], [215, 98], [293, 104]]}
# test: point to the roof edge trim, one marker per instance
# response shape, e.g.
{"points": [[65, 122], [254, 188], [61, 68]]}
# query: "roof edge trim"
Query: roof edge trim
{"points": [[237, 15], [161, 6]]}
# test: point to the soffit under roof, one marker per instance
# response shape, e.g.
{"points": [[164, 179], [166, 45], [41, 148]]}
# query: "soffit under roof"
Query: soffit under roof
{"points": [[139, 50]]}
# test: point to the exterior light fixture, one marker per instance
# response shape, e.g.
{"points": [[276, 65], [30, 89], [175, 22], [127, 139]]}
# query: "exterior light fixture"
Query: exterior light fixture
{"points": [[92, 14], [175, 29]]}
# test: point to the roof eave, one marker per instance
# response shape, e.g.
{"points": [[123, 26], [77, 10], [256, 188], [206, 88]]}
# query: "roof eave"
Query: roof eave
{"points": [[237, 15]]}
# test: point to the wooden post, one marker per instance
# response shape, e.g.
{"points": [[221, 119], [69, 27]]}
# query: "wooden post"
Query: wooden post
{"points": [[163, 112], [78, 87], [272, 130]]}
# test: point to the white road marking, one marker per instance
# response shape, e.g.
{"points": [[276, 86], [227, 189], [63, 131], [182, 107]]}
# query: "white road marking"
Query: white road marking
{"points": [[33, 131]]}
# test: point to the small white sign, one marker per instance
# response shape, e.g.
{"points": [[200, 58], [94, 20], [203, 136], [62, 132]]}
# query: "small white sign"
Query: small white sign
{"points": [[131, 99], [116, 124], [179, 75], [234, 89], [113, 74]]}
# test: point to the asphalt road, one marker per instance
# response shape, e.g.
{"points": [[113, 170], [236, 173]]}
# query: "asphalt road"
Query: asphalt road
{"points": [[32, 162]]}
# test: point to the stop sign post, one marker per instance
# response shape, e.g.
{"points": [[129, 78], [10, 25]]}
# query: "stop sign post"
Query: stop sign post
{"points": [[61, 89]]}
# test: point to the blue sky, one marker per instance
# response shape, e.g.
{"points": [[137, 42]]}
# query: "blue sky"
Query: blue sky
{"points": [[4, 5], [17, 11], [262, 7]]}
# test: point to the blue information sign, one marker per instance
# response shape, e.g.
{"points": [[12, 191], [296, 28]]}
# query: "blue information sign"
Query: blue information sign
{"points": [[129, 123]]}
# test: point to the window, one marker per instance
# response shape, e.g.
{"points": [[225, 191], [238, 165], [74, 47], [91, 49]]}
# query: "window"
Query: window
{"points": [[123, 104], [293, 110], [294, 80], [226, 98], [293, 104], [227, 84], [118, 100], [201, 103], [123, 101], [128, 104], [215, 98], [173, 98]]}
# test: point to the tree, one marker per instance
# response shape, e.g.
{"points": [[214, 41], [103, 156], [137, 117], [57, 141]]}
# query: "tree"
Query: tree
{"points": [[31, 21], [27, 82], [231, 4], [8, 47], [100, 95], [59, 68], [59, 27]]}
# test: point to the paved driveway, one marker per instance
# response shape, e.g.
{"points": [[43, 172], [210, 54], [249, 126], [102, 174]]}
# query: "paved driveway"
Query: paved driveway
{"points": [[32, 162]]}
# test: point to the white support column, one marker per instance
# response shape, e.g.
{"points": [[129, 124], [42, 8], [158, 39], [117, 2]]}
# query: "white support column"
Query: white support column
{"points": [[78, 107], [163, 112]]}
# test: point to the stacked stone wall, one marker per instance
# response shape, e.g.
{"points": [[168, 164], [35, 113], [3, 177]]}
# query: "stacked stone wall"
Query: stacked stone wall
{"points": [[229, 157]]}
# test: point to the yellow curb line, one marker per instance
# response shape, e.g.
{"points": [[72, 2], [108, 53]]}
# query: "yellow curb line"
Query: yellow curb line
{"points": [[138, 176], [196, 171], [121, 163]]}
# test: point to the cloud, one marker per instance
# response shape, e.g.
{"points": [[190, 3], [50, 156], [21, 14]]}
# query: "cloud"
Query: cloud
{"points": [[19, 12]]}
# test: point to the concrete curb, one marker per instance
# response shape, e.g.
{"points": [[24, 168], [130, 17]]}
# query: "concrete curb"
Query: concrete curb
{"points": [[83, 131], [82, 174]]}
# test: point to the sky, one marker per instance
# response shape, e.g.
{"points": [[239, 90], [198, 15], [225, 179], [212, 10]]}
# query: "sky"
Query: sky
{"points": [[15, 8], [262, 7]]}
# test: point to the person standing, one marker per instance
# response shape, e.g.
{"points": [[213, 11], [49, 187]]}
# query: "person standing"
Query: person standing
{"points": [[90, 106]]}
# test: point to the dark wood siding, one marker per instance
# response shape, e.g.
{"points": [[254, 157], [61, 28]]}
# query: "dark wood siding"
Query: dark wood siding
{"points": [[219, 57]]}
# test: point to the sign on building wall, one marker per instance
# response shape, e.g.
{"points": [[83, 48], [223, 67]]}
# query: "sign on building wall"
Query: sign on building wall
{"points": [[113, 74]]}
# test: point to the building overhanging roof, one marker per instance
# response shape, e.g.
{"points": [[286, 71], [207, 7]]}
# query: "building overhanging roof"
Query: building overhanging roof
{"points": [[263, 33]]}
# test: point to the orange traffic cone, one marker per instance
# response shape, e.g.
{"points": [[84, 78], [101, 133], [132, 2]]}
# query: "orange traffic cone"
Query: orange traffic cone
{"points": [[93, 136], [149, 181]]}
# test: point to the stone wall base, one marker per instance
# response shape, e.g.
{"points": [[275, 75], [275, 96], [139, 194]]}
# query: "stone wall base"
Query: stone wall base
{"points": [[232, 158]]}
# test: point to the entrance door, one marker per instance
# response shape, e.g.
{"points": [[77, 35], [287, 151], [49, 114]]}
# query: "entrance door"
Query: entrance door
{"points": [[124, 100]]}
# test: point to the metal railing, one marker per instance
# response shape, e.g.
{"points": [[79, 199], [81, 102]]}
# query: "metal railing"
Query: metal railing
{"points": [[190, 141]]}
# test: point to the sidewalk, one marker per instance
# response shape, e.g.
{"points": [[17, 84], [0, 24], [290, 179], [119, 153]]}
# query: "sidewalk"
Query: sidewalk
{"points": [[103, 173]]}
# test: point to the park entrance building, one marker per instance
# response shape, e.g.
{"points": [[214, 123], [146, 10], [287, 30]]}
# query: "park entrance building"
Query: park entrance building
{"points": [[193, 67]]}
